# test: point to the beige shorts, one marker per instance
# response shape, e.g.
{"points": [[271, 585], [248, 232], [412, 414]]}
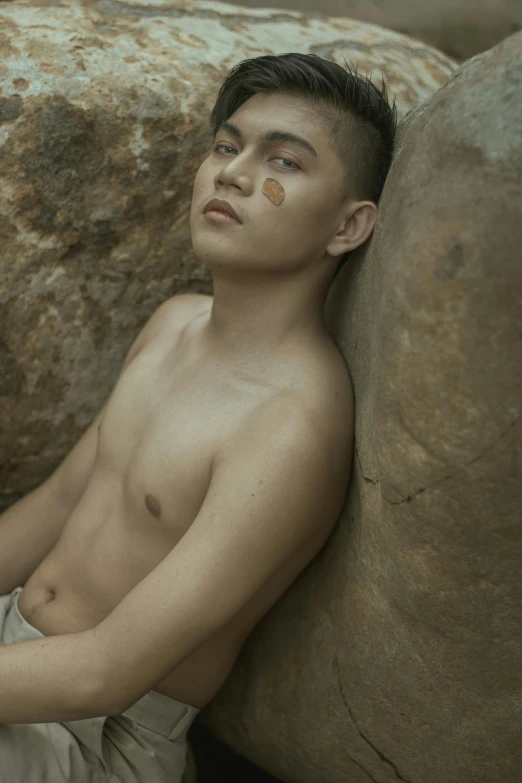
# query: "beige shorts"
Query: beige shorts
{"points": [[145, 744]]}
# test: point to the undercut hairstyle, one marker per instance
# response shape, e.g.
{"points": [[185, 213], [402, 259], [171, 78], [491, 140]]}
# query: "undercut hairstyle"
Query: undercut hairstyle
{"points": [[362, 122]]}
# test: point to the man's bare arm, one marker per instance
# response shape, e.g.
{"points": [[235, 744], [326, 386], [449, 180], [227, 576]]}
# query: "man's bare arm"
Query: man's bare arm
{"points": [[30, 528], [276, 485]]}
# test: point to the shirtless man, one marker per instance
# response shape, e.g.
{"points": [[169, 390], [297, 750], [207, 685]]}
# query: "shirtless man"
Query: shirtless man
{"points": [[220, 462]]}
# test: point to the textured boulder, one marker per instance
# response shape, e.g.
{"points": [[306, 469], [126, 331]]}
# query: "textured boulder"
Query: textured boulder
{"points": [[397, 655], [103, 124], [461, 29]]}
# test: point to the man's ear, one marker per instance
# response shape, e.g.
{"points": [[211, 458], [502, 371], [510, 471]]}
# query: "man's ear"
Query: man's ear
{"points": [[355, 228]]}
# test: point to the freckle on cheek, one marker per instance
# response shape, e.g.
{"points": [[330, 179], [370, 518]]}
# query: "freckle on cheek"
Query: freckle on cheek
{"points": [[274, 190]]}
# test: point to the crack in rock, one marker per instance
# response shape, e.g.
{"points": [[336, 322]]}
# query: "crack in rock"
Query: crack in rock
{"points": [[411, 497], [381, 755], [368, 480]]}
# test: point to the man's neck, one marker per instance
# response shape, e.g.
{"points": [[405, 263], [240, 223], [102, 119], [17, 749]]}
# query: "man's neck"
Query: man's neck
{"points": [[260, 320]]}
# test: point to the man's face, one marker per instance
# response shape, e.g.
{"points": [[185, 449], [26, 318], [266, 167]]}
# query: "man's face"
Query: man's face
{"points": [[272, 238]]}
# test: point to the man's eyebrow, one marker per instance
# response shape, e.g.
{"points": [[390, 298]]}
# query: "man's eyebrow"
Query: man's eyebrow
{"points": [[271, 135]]}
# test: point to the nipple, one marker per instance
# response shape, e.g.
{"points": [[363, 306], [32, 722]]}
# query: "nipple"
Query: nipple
{"points": [[153, 505], [274, 190]]}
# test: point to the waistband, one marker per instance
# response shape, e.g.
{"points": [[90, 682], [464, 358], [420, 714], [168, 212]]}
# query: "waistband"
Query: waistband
{"points": [[154, 711]]}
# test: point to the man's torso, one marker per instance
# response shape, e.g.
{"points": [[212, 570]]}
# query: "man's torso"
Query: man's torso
{"points": [[166, 419]]}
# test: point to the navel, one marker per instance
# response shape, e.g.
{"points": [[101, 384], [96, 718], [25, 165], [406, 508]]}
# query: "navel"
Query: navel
{"points": [[153, 505]]}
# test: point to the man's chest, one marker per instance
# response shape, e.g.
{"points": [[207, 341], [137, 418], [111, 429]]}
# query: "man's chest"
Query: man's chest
{"points": [[159, 436]]}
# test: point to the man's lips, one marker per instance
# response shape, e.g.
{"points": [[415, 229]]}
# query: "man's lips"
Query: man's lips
{"points": [[218, 205], [216, 216]]}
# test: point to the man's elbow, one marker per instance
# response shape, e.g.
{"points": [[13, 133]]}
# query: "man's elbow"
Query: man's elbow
{"points": [[116, 691], [104, 692], [107, 698]]}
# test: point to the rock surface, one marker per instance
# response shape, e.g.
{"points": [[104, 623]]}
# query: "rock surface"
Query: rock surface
{"points": [[103, 123], [397, 655], [461, 29]]}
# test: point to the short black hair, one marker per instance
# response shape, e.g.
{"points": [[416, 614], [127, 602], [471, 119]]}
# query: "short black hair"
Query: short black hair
{"points": [[362, 122]]}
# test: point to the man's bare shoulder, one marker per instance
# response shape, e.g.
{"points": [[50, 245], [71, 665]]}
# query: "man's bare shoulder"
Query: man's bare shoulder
{"points": [[180, 309], [192, 302], [313, 386], [311, 419], [323, 400], [322, 390], [169, 318]]}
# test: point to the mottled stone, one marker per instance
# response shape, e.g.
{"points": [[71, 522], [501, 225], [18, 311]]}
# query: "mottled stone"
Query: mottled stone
{"points": [[104, 110], [461, 29], [397, 655]]}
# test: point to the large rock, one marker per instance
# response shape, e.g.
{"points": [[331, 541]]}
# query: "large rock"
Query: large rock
{"points": [[103, 124], [461, 29], [397, 655]]}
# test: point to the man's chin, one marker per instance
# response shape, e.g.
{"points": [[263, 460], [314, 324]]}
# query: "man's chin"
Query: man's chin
{"points": [[208, 254]]}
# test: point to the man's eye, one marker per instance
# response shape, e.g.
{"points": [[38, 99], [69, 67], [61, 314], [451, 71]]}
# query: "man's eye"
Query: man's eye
{"points": [[287, 160], [225, 146], [291, 167]]}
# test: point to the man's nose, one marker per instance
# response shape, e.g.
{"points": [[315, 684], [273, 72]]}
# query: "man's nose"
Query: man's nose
{"points": [[235, 172]]}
